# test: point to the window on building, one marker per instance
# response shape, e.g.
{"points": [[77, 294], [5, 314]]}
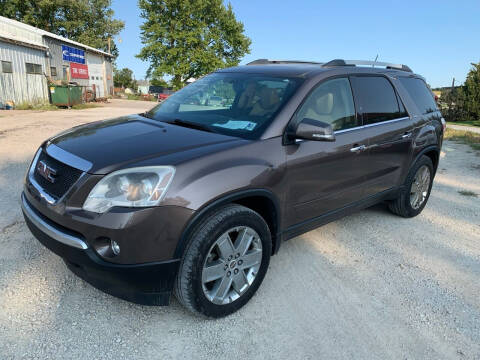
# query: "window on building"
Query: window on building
{"points": [[93, 77], [7, 66], [97, 77], [33, 68], [53, 71]]}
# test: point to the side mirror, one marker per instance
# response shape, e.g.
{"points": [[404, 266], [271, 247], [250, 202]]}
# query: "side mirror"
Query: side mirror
{"points": [[310, 129]]}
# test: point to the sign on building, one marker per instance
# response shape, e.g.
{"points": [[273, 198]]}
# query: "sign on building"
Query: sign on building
{"points": [[73, 54], [78, 71]]}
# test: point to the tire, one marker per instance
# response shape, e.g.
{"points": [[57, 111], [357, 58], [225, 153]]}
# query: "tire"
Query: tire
{"points": [[404, 205], [203, 249]]}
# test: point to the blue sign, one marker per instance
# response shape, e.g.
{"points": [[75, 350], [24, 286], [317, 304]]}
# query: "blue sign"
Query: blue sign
{"points": [[73, 55]]}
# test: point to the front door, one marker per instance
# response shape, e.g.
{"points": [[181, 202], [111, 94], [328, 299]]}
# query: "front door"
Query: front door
{"points": [[327, 176]]}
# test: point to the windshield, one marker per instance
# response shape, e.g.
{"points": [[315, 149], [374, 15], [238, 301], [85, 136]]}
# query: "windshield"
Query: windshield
{"points": [[235, 104]]}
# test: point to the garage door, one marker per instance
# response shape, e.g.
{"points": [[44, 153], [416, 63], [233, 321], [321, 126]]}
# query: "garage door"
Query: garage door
{"points": [[95, 71]]}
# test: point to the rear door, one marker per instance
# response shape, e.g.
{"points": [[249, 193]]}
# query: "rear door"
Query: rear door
{"points": [[389, 130]]}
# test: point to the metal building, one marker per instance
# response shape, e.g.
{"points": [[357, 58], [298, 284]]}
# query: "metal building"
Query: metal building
{"points": [[31, 58]]}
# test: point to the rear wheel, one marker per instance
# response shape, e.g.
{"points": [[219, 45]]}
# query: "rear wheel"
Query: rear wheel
{"points": [[417, 187], [225, 262]]}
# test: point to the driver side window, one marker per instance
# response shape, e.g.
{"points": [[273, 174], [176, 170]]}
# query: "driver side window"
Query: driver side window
{"points": [[332, 103]]}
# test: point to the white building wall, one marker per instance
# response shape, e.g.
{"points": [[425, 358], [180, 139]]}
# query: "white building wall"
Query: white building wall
{"points": [[96, 73], [18, 85]]}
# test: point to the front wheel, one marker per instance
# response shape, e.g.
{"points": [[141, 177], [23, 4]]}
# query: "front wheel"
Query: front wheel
{"points": [[225, 261], [417, 187]]}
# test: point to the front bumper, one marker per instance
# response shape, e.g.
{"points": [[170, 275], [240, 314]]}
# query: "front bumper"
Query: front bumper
{"points": [[148, 283]]}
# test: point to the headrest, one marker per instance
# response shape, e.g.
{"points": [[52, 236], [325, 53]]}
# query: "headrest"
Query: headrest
{"points": [[268, 98], [324, 104]]}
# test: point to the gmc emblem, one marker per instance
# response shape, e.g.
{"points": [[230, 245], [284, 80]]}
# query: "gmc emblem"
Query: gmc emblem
{"points": [[46, 171]]}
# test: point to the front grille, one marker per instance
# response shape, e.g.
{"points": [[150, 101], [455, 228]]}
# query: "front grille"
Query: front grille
{"points": [[65, 176]]}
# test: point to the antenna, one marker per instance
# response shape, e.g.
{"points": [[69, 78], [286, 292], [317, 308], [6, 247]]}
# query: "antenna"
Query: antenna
{"points": [[374, 61]]}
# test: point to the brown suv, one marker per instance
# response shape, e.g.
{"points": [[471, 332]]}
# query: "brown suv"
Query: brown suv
{"points": [[195, 195]]}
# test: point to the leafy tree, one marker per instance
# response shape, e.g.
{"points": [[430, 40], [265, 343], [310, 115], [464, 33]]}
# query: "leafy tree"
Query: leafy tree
{"points": [[190, 38], [471, 91], [123, 78], [158, 82], [90, 22]]}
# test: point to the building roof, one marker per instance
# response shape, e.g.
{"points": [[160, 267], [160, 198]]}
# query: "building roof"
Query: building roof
{"points": [[19, 32]]}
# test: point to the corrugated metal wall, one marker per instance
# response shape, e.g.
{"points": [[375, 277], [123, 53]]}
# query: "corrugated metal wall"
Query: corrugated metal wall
{"points": [[18, 85], [96, 73], [56, 60], [109, 75]]}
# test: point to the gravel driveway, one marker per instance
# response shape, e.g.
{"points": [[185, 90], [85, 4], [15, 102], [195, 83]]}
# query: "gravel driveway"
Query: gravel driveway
{"points": [[370, 286]]}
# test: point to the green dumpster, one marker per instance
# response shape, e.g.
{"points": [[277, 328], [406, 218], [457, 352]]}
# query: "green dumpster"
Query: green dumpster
{"points": [[66, 95]]}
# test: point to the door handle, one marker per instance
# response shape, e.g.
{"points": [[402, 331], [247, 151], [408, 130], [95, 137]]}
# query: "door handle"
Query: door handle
{"points": [[407, 135], [357, 149]]}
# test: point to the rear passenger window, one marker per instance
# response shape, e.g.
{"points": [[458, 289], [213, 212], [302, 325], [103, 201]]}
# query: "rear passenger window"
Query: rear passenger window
{"points": [[377, 101], [332, 103], [420, 94]]}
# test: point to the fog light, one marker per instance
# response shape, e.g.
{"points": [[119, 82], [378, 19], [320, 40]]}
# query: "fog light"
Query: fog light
{"points": [[115, 247]]}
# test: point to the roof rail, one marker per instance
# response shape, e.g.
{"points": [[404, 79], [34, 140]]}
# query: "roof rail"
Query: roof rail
{"points": [[268, 61], [341, 62]]}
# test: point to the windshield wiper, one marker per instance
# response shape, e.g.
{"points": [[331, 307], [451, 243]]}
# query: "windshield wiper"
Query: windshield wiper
{"points": [[146, 114], [192, 125]]}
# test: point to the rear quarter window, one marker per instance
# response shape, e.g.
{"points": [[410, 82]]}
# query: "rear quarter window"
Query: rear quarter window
{"points": [[420, 94]]}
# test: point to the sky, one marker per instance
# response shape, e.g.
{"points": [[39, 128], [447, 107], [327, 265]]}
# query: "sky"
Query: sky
{"points": [[437, 39]]}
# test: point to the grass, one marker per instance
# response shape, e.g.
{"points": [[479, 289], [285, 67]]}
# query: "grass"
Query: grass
{"points": [[85, 106], [466, 123], [467, 193], [35, 106], [465, 137], [51, 107], [141, 97]]}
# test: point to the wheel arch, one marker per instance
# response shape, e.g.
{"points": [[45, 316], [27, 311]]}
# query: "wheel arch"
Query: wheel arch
{"points": [[433, 152], [262, 201]]}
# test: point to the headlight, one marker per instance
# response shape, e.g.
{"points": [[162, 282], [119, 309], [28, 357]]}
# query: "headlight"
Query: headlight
{"points": [[135, 187]]}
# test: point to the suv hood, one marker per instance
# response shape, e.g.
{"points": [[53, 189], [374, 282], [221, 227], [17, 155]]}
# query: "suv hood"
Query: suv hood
{"points": [[113, 144]]}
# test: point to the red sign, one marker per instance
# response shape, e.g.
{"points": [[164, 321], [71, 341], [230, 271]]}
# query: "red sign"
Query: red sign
{"points": [[78, 71]]}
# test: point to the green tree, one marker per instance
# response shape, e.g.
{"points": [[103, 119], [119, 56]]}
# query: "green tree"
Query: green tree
{"points": [[190, 38], [90, 22], [158, 82], [123, 78], [471, 92]]}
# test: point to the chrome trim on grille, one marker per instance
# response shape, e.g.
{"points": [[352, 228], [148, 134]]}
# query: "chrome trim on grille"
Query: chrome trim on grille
{"points": [[49, 230], [41, 191], [68, 158], [43, 194]]}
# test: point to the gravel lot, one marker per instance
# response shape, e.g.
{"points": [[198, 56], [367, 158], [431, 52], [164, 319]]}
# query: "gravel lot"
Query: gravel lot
{"points": [[370, 286]]}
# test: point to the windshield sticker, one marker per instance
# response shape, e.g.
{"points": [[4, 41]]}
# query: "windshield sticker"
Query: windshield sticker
{"points": [[237, 125]]}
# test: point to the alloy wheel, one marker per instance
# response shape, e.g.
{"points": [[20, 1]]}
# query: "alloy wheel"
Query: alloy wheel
{"points": [[420, 187], [231, 265]]}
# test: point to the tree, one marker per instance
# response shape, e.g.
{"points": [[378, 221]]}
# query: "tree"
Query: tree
{"points": [[90, 22], [158, 82], [123, 78], [190, 38], [471, 92]]}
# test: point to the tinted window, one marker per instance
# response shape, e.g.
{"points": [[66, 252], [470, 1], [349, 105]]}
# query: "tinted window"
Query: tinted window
{"points": [[236, 104], [377, 99], [332, 103], [420, 94], [6, 66]]}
